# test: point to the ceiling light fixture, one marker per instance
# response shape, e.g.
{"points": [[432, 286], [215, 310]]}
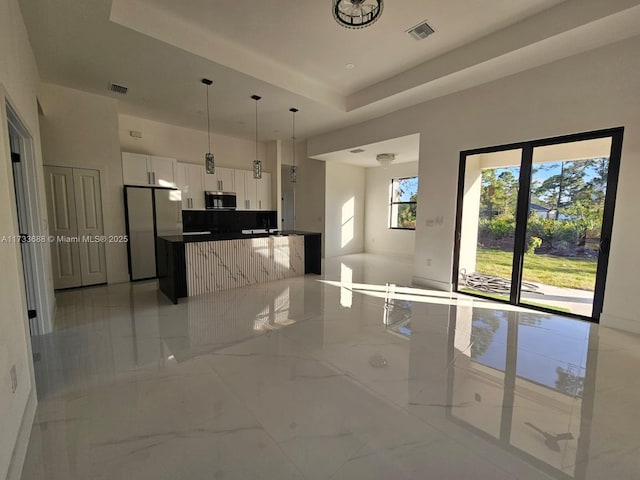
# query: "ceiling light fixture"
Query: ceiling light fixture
{"points": [[294, 168], [209, 160], [385, 159], [357, 13], [257, 164]]}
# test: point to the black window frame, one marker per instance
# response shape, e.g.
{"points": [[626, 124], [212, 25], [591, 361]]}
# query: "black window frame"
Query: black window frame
{"points": [[392, 202]]}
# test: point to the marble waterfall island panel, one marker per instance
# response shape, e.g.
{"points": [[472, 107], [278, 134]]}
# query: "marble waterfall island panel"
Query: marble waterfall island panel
{"points": [[221, 265]]}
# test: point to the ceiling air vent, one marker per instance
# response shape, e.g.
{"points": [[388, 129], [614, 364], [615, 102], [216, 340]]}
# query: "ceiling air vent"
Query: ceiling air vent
{"points": [[357, 150], [421, 31], [114, 87]]}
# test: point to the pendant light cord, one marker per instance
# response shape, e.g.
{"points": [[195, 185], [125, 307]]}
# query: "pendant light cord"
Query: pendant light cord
{"points": [[293, 143], [256, 129], [208, 121]]}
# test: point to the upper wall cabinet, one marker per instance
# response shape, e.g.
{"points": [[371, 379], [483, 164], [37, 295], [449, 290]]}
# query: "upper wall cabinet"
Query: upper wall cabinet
{"points": [[190, 181], [148, 170], [253, 194], [221, 181], [264, 192]]}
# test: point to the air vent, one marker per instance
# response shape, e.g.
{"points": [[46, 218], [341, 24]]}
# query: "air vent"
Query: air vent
{"points": [[357, 150], [114, 87], [421, 31]]}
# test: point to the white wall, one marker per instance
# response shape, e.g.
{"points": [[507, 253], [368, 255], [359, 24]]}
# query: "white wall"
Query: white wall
{"points": [[310, 191], [186, 144], [18, 84], [80, 129], [378, 237], [344, 209], [586, 92]]}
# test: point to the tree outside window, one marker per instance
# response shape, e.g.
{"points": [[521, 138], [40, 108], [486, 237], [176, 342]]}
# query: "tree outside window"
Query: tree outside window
{"points": [[404, 197]]}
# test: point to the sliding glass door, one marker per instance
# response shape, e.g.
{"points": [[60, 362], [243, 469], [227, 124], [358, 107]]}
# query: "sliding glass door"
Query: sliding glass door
{"points": [[491, 186], [534, 221]]}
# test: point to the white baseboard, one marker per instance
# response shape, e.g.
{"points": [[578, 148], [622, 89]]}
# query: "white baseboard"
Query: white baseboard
{"points": [[22, 442], [620, 323], [434, 284]]}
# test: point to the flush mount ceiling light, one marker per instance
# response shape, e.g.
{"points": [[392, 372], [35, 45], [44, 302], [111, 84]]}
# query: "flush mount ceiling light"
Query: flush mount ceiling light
{"points": [[294, 168], [209, 161], [385, 159], [357, 13], [257, 164]]}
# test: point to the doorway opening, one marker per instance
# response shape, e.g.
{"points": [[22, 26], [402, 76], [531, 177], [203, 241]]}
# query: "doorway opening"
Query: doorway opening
{"points": [[27, 200], [534, 222]]}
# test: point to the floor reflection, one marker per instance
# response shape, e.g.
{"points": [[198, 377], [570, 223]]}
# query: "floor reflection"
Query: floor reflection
{"points": [[523, 387], [354, 374]]}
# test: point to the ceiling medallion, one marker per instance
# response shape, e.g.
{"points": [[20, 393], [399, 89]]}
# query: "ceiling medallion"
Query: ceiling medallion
{"points": [[357, 13]]}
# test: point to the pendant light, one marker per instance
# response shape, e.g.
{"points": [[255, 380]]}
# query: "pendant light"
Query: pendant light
{"points": [[294, 168], [209, 160], [257, 164]]}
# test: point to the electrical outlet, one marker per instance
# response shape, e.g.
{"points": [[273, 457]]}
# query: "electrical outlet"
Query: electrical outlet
{"points": [[428, 262], [14, 379]]}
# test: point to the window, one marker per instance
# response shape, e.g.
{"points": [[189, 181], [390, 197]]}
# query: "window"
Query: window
{"points": [[404, 196]]}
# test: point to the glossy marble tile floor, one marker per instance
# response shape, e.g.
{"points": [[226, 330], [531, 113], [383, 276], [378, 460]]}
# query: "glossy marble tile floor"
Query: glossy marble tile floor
{"points": [[340, 377]]}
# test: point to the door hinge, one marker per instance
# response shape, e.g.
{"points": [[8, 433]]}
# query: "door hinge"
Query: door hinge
{"points": [[15, 157], [32, 314]]}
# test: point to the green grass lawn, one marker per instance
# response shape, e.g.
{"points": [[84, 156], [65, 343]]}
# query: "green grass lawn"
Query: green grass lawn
{"points": [[557, 271]]}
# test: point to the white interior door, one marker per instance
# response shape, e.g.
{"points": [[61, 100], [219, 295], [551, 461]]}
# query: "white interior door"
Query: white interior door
{"points": [[63, 225], [89, 216]]}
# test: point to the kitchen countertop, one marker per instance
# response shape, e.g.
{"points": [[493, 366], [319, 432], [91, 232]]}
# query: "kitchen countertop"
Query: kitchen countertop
{"points": [[212, 237]]}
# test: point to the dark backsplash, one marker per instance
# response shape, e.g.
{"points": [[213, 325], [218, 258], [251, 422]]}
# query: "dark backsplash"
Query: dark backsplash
{"points": [[227, 221]]}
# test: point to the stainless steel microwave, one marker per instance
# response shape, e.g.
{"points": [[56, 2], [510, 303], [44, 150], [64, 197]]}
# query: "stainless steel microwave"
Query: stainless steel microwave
{"points": [[220, 200]]}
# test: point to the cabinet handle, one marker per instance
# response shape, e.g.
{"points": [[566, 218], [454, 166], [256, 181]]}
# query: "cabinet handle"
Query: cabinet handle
{"points": [[259, 204], [149, 178], [154, 177]]}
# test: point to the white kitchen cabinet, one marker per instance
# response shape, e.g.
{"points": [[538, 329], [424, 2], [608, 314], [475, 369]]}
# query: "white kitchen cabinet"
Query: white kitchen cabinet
{"points": [[252, 193], [195, 180], [135, 169], [264, 192], [239, 185], [226, 179], [211, 183], [250, 190], [190, 182], [223, 180], [148, 170], [181, 176], [162, 171]]}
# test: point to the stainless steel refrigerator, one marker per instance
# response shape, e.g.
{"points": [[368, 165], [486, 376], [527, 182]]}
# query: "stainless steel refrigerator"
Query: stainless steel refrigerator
{"points": [[149, 212]]}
